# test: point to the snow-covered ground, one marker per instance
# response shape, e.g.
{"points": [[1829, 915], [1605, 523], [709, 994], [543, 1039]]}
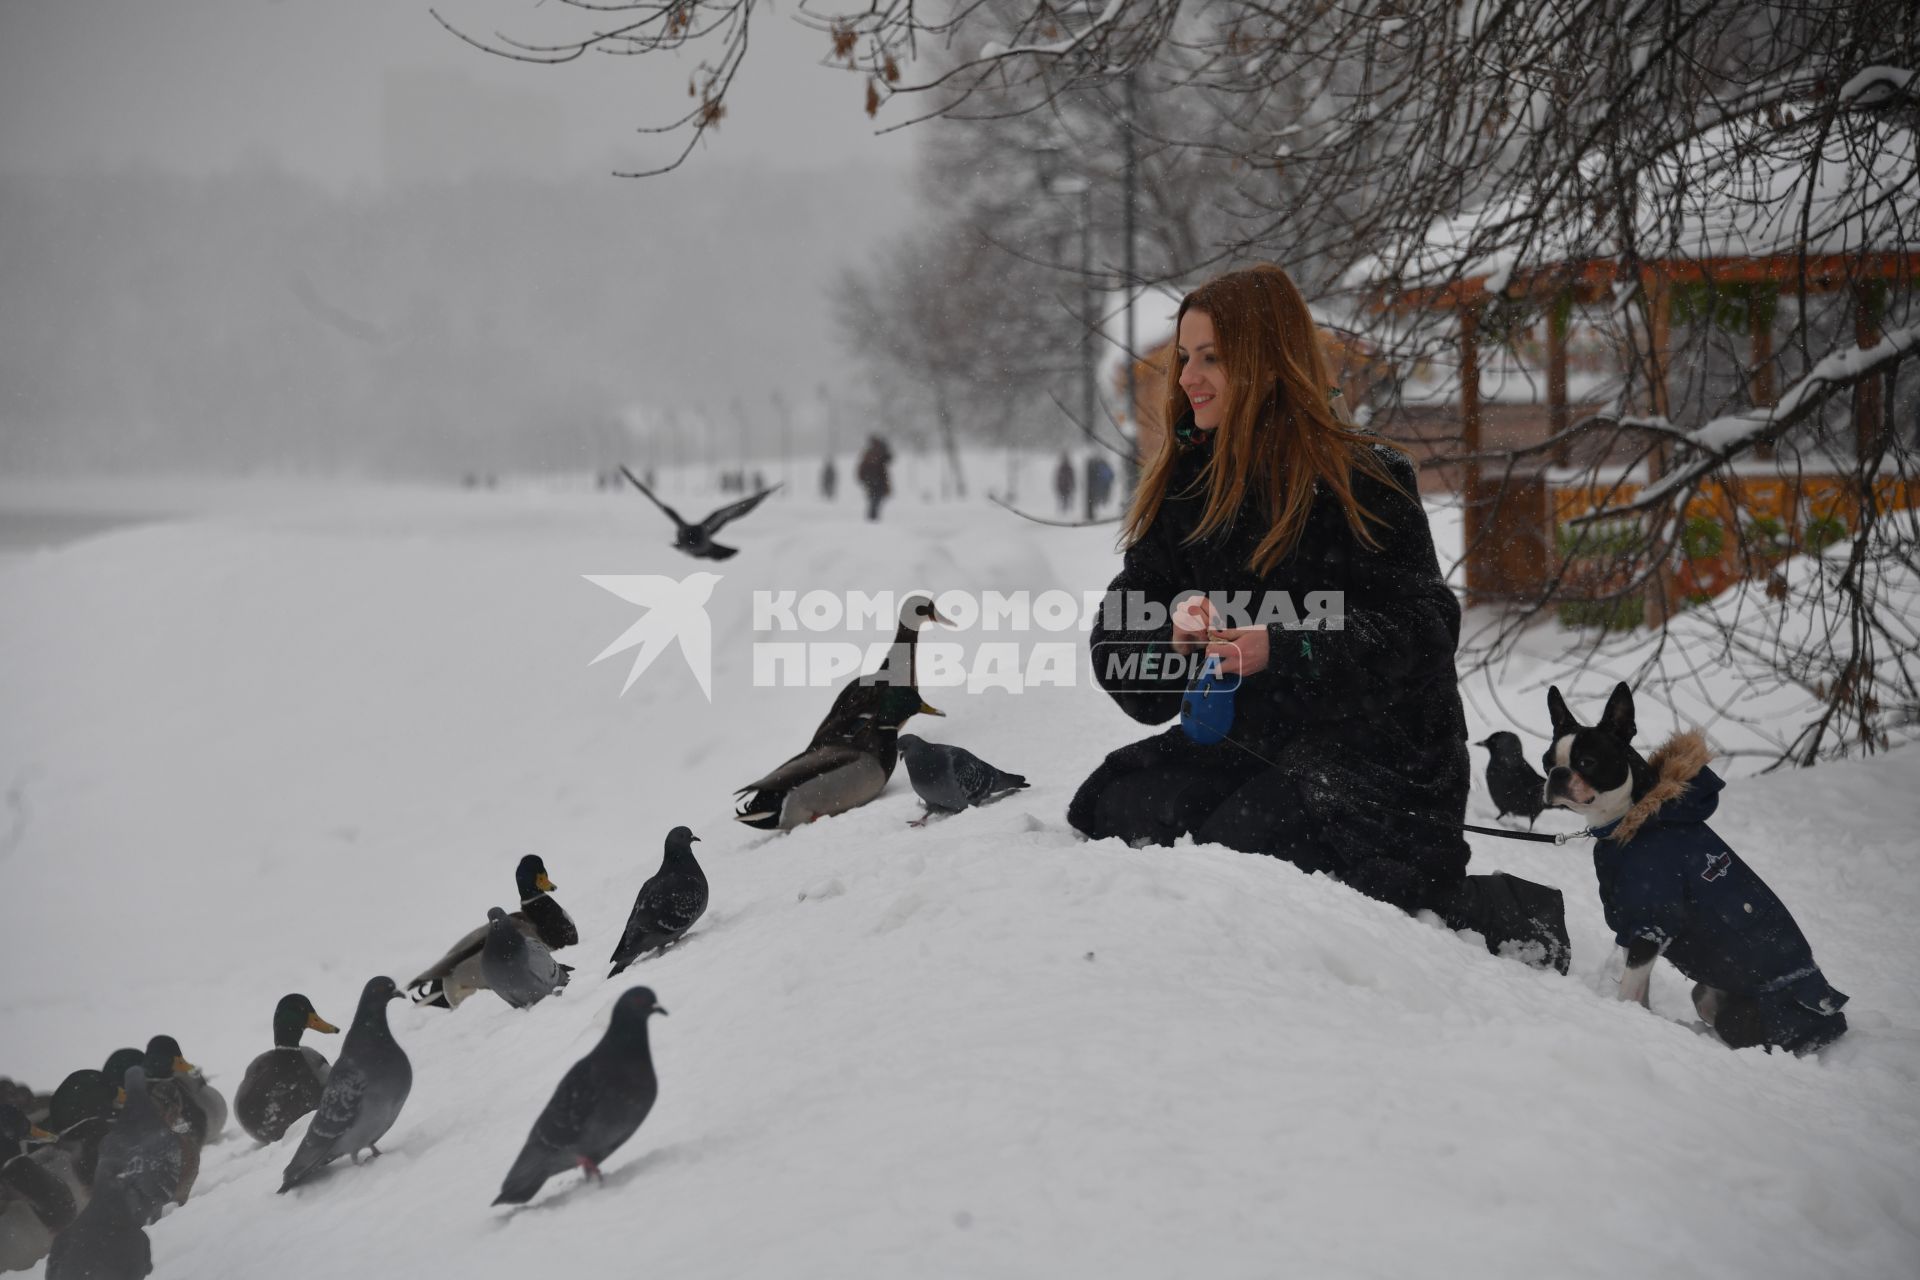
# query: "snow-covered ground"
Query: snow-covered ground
{"points": [[249, 748]]}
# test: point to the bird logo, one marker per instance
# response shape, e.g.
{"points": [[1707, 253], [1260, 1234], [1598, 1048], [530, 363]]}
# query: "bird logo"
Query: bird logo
{"points": [[674, 611]]}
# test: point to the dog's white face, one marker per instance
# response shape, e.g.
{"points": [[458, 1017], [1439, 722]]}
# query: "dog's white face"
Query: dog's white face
{"points": [[1572, 790]]}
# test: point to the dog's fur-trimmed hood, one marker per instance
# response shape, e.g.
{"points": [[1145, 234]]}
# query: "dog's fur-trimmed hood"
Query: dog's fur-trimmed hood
{"points": [[1675, 767]]}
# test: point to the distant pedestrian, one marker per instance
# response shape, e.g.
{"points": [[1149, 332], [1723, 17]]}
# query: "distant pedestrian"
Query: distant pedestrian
{"points": [[1063, 482], [1099, 483], [875, 474], [829, 480]]}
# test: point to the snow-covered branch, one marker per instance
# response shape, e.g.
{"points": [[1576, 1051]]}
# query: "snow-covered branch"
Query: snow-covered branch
{"points": [[1717, 442]]}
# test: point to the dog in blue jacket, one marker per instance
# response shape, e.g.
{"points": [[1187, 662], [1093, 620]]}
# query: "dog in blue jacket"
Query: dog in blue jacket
{"points": [[1670, 886]]}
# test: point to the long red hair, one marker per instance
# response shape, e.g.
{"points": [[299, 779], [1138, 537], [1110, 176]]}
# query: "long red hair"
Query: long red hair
{"points": [[1278, 427]]}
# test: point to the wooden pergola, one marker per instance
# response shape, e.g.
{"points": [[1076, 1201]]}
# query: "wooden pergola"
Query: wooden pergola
{"points": [[1505, 523]]}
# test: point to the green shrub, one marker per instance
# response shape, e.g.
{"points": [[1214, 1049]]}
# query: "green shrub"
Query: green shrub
{"points": [[1610, 615], [1605, 538], [1703, 538], [1822, 532], [1764, 533]]}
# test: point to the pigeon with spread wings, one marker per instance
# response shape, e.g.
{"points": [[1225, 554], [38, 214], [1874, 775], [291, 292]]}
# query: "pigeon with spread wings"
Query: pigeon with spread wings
{"points": [[697, 539]]}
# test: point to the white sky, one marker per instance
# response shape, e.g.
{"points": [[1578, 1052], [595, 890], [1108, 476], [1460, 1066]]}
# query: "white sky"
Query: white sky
{"points": [[200, 85]]}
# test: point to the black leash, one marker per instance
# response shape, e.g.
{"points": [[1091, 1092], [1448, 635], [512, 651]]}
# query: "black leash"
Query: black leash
{"points": [[1562, 837]]}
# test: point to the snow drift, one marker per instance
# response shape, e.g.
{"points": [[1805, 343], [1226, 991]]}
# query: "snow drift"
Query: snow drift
{"points": [[260, 751]]}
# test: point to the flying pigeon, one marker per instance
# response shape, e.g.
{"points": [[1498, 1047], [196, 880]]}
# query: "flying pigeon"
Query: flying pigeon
{"points": [[365, 1090], [1515, 786], [668, 903], [518, 969], [950, 778], [600, 1103], [697, 539]]}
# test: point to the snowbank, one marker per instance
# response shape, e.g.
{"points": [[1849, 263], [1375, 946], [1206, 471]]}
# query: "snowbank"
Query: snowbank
{"points": [[281, 750]]}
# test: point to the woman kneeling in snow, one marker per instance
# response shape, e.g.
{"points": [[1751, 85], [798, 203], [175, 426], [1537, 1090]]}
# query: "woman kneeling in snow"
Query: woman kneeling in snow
{"points": [[1347, 749]]}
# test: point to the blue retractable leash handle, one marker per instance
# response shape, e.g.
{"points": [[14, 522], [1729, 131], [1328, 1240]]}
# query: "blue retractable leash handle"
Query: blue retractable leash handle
{"points": [[1206, 710]]}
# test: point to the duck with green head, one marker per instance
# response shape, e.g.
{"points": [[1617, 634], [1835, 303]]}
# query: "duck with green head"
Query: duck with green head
{"points": [[456, 975], [115, 1070], [871, 694], [833, 777], [286, 1081], [81, 1113]]}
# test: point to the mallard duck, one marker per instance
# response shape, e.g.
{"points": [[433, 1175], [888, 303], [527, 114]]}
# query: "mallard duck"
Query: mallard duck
{"points": [[115, 1070], [81, 1113], [867, 695], [34, 1204], [456, 975], [204, 1106], [167, 1081], [285, 1082], [832, 777]]}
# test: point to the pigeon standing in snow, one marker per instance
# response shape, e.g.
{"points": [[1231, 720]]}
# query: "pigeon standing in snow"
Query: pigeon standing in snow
{"points": [[142, 1157], [365, 1090], [600, 1103], [697, 539], [456, 975], [1516, 788], [518, 969], [668, 903], [105, 1242], [950, 778]]}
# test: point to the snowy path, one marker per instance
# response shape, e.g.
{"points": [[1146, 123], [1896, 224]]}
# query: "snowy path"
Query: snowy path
{"points": [[285, 749]]}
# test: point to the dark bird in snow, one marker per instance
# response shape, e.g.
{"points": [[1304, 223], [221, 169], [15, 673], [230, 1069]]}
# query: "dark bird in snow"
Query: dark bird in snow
{"points": [[831, 777], [697, 539], [167, 1071], [16, 1132], [600, 1103], [868, 695], [518, 969], [456, 975], [365, 1090], [1515, 785], [949, 778], [104, 1242], [35, 1205], [115, 1071], [668, 903], [81, 1114], [147, 1158], [203, 1105], [286, 1081]]}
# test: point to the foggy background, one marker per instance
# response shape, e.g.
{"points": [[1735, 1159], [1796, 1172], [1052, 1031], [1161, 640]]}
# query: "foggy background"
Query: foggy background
{"points": [[327, 236]]}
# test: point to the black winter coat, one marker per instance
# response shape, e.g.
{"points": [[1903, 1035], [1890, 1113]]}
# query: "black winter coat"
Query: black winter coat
{"points": [[1364, 720]]}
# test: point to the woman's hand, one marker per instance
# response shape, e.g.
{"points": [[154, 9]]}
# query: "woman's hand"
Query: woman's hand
{"points": [[1192, 624], [1241, 650]]}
